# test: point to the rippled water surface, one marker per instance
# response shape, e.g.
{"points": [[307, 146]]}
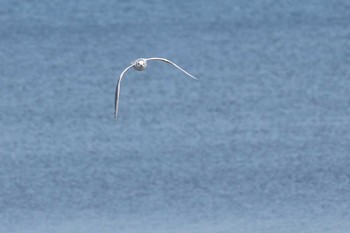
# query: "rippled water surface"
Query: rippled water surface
{"points": [[260, 144]]}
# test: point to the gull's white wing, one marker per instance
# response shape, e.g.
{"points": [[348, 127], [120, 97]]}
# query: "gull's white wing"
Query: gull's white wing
{"points": [[172, 63], [117, 91]]}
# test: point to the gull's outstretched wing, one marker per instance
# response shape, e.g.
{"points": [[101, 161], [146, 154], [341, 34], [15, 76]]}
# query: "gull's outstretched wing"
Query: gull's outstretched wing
{"points": [[117, 91], [172, 63]]}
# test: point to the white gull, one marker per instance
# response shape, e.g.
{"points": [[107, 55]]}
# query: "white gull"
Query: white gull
{"points": [[139, 65]]}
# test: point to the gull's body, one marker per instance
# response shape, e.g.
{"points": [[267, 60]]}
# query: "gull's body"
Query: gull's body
{"points": [[139, 65]]}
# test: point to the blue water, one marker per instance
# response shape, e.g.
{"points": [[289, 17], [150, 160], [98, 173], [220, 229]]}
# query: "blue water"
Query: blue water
{"points": [[260, 144]]}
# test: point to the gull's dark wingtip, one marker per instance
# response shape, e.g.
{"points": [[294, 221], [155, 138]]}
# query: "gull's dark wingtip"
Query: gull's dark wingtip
{"points": [[116, 119]]}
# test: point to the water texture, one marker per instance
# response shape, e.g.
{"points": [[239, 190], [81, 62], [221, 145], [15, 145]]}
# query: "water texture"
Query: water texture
{"points": [[260, 144]]}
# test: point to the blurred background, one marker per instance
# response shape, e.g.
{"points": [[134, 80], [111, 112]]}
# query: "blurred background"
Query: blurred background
{"points": [[260, 144]]}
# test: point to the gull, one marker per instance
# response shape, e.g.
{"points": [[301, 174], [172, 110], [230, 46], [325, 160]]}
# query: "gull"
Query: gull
{"points": [[140, 65]]}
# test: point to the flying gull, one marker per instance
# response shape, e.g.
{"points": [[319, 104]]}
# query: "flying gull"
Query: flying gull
{"points": [[139, 65]]}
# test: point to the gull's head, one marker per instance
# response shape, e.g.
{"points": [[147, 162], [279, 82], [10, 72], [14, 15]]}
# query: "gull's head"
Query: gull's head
{"points": [[140, 64]]}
